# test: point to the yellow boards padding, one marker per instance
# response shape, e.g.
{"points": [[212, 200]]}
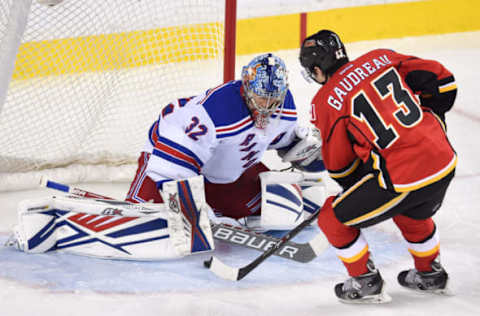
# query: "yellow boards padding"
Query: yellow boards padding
{"points": [[395, 20], [254, 35]]}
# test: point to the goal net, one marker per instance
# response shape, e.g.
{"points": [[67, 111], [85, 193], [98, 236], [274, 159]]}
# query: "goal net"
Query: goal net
{"points": [[83, 80]]}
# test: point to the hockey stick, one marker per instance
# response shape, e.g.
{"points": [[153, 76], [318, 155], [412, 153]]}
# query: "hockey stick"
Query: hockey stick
{"points": [[227, 272], [300, 252], [44, 182]]}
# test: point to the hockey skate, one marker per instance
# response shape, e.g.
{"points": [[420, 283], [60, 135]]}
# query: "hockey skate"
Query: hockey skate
{"points": [[434, 281], [366, 288]]}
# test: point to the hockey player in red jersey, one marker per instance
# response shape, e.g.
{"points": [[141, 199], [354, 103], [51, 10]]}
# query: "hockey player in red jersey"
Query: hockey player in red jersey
{"points": [[382, 122]]}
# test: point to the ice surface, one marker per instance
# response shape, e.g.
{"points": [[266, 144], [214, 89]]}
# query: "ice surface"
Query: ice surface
{"points": [[66, 272], [61, 284]]}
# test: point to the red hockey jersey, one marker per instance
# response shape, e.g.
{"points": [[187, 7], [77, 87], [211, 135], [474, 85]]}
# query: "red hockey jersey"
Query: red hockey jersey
{"points": [[380, 108]]}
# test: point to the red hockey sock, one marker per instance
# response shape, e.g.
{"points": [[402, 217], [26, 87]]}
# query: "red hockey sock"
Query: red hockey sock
{"points": [[422, 241], [359, 266], [344, 238]]}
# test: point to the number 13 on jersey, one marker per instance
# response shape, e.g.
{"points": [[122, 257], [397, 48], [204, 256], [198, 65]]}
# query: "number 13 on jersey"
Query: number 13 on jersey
{"points": [[407, 115]]}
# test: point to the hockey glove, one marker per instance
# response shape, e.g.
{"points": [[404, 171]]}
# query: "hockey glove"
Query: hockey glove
{"points": [[305, 154]]}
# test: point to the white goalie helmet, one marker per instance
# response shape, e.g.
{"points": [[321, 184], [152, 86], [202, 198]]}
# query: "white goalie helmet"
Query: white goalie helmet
{"points": [[265, 85]]}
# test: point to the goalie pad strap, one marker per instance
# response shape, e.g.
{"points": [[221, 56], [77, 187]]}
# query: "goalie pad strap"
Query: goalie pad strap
{"points": [[189, 223]]}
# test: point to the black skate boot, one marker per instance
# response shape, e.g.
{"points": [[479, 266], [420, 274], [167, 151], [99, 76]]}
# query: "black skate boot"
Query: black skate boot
{"points": [[366, 288], [434, 281]]}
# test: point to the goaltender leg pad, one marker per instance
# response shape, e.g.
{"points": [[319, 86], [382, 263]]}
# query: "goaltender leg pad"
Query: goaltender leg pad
{"points": [[188, 217], [115, 236], [282, 205], [314, 193], [116, 229], [36, 228], [97, 228]]}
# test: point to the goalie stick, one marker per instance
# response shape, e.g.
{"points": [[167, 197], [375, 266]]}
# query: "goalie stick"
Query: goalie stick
{"points": [[319, 244], [299, 252]]}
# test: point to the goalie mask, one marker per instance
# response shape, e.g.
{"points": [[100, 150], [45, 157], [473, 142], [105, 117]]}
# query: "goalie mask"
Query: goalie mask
{"points": [[264, 82]]}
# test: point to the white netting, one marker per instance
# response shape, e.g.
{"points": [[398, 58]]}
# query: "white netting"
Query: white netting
{"points": [[91, 76]]}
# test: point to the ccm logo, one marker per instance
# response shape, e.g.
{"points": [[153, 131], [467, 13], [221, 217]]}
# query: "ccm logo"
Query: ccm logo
{"points": [[256, 242], [112, 211]]}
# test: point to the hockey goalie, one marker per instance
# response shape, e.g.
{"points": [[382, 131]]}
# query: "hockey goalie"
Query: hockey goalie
{"points": [[202, 156]]}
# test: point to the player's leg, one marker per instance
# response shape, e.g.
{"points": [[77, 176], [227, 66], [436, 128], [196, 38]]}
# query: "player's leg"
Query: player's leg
{"points": [[421, 235], [266, 200], [238, 199], [424, 246], [341, 218], [278, 192], [143, 189]]}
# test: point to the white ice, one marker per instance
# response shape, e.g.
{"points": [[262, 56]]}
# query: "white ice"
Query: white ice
{"points": [[60, 284]]}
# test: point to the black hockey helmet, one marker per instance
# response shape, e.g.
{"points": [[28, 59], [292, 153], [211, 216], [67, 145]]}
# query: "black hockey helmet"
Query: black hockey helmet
{"points": [[325, 50]]}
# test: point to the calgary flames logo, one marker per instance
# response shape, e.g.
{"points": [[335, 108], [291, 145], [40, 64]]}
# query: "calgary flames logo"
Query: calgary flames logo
{"points": [[310, 43], [173, 203]]}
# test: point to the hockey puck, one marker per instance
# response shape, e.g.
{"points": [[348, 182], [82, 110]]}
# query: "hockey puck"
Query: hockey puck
{"points": [[208, 263]]}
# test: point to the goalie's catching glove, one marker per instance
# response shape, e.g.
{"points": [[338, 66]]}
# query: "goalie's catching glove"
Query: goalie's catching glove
{"points": [[305, 153]]}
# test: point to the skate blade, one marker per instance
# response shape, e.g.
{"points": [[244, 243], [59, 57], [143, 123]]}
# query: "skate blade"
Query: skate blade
{"points": [[370, 299], [445, 291]]}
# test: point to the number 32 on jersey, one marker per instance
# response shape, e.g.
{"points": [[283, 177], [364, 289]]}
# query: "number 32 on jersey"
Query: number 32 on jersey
{"points": [[408, 114], [195, 129]]}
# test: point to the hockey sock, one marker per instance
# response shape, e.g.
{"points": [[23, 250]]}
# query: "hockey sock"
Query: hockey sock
{"points": [[351, 246], [422, 239]]}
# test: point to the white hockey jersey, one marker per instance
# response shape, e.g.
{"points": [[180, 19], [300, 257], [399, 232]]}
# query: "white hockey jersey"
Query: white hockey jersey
{"points": [[213, 134]]}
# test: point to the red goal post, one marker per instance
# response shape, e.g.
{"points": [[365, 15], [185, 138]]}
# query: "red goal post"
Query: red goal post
{"points": [[82, 80]]}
